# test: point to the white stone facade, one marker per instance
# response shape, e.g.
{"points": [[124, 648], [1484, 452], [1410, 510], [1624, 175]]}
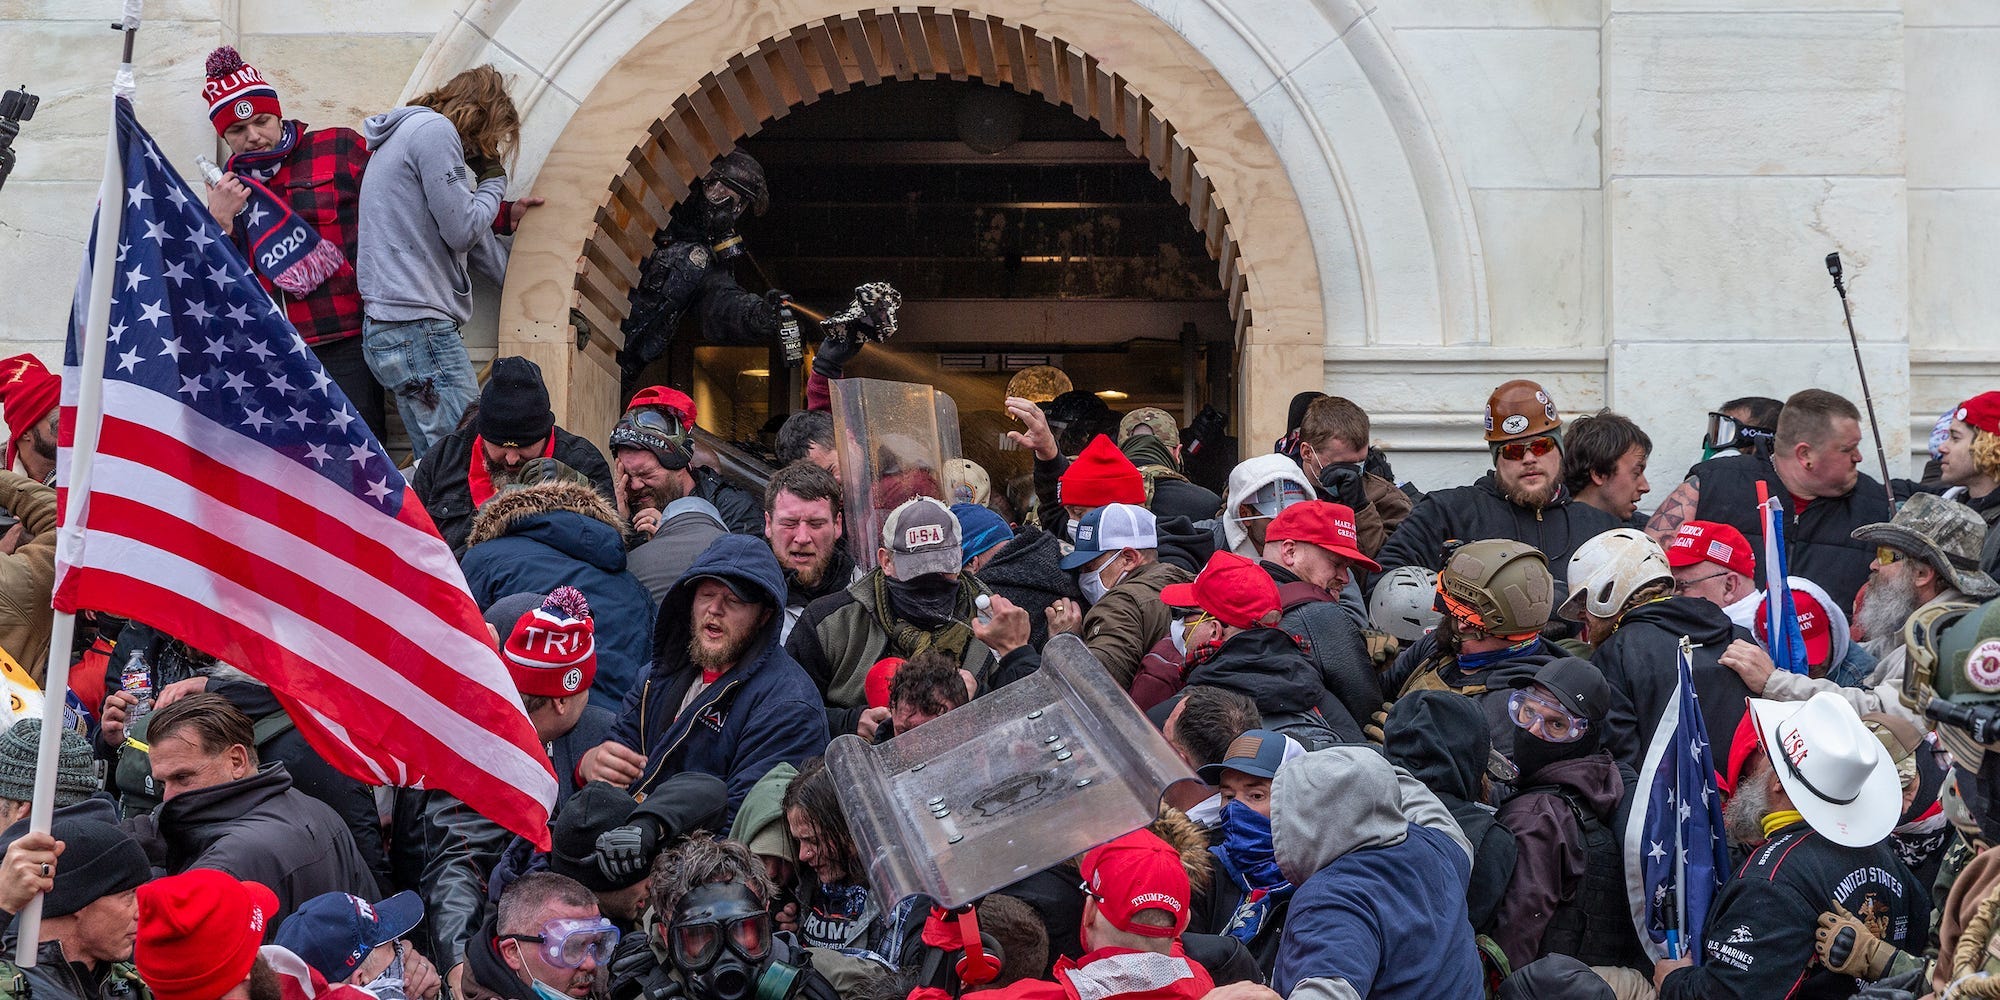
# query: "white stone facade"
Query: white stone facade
{"points": [[1628, 199]]}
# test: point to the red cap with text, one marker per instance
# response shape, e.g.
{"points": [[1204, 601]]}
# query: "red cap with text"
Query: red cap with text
{"points": [[1138, 872]]}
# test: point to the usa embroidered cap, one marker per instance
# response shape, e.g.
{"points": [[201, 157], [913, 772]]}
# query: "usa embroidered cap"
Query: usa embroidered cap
{"points": [[922, 537]]}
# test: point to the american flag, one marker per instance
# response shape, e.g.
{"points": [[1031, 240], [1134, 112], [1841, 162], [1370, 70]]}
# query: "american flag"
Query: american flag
{"points": [[1676, 856], [238, 502]]}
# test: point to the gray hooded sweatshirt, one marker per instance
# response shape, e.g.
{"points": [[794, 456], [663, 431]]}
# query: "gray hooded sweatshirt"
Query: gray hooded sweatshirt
{"points": [[422, 218], [1332, 803]]}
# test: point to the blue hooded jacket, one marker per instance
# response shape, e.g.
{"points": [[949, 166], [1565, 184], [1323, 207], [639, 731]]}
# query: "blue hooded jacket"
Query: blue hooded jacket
{"points": [[538, 538], [763, 712]]}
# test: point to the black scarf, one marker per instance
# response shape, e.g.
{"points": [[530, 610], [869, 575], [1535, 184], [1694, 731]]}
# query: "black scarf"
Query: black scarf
{"points": [[918, 618]]}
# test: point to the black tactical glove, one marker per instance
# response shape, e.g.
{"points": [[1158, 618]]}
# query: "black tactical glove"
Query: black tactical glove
{"points": [[624, 853], [833, 355]]}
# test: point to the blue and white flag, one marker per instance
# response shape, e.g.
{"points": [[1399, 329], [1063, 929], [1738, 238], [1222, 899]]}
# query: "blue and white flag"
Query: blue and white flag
{"points": [[1781, 616], [1676, 854]]}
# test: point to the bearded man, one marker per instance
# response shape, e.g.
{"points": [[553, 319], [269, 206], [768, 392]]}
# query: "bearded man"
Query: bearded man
{"points": [[802, 521], [720, 675], [1522, 499]]}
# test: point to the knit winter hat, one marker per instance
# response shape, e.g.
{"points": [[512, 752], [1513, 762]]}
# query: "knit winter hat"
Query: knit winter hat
{"points": [[28, 391], [235, 91], [981, 527], [98, 860], [199, 932], [552, 651], [1102, 475], [583, 817], [514, 405], [76, 768]]}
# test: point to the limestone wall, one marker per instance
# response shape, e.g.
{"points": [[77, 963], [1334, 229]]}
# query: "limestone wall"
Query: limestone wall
{"points": [[1628, 198]]}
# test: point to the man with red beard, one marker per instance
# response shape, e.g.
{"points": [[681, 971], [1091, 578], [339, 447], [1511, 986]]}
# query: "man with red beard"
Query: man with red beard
{"points": [[802, 521], [1523, 498], [722, 697]]}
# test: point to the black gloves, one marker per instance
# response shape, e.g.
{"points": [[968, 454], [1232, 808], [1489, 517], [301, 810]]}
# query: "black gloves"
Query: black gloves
{"points": [[625, 853]]}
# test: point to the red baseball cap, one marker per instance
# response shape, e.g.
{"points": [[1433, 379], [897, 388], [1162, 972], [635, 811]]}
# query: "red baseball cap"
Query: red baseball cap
{"points": [[1327, 525], [1981, 412], [1136, 872], [672, 399], [1235, 590], [1814, 623], [1711, 542], [199, 932]]}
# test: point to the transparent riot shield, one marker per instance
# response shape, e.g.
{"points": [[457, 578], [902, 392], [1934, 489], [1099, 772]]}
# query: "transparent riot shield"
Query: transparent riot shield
{"points": [[893, 439], [988, 794]]}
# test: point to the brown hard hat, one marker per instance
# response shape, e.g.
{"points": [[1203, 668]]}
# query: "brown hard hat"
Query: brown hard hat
{"points": [[1519, 409]]}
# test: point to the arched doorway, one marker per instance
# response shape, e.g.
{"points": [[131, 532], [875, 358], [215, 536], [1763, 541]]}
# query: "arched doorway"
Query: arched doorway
{"points": [[1116, 64]]}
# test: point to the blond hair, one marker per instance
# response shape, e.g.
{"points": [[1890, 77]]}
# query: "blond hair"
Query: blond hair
{"points": [[1986, 453], [477, 105]]}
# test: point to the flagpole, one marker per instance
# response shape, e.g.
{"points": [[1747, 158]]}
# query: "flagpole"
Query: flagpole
{"points": [[83, 450], [1683, 665]]}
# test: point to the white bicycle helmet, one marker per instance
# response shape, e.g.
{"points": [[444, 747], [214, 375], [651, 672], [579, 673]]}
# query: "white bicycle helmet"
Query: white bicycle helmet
{"points": [[1404, 603], [1606, 571]]}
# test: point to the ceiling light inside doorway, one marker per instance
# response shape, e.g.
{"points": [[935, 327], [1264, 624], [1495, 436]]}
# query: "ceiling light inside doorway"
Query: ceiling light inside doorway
{"points": [[757, 372], [1110, 394]]}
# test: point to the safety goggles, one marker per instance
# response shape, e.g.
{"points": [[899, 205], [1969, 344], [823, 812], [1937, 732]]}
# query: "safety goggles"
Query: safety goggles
{"points": [[570, 942], [1273, 498], [697, 945], [664, 423], [1514, 451], [1725, 431], [718, 188], [1545, 718]]}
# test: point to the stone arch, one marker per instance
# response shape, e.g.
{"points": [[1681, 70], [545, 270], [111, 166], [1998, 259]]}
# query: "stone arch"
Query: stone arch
{"points": [[1238, 105]]}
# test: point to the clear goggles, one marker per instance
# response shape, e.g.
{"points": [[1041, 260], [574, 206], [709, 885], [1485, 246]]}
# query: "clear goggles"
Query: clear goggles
{"points": [[570, 942], [1545, 718], [1725, 431]]}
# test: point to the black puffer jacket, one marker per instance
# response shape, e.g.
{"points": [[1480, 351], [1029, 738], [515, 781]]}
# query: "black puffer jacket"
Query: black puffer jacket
{"points": [[1481, 511], [741, 512], [1439, 737], [1028, 571], [443, 479], [260, 829], [1819, 542], [1267, 665], [1638, 661], [1425, 666]]}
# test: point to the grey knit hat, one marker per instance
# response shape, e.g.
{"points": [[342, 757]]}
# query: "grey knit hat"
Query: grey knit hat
{"points": [[76, 771]]}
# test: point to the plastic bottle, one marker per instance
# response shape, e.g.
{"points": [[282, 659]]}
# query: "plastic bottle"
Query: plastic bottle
{"points": [[137, 681]]}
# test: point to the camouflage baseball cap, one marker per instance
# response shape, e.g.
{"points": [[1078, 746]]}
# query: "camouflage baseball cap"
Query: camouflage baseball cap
{"points": [[1945, 534], [1158, 421]]}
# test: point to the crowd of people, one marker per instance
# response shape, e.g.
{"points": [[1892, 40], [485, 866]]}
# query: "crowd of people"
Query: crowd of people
{"points": [[1415, 720]]}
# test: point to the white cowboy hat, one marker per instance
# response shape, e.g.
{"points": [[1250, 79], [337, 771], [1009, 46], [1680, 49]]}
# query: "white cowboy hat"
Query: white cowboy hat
{"points": [[1832, 767]]}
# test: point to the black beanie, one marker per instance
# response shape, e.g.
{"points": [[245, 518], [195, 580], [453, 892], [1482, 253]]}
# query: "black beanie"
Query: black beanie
{"points": [[584, 816], [514, 406], [98, 860]]}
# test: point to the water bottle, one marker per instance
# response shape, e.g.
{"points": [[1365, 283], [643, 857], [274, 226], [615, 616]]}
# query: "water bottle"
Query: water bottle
{"points": [[137, 681], [210, 173]]}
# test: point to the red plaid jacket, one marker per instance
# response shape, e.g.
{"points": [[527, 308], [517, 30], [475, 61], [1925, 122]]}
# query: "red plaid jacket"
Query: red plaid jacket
{"points": [[321, 181]]}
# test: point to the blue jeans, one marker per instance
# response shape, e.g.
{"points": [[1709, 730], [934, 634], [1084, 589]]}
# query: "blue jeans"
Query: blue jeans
{"points": [[424, 365]]}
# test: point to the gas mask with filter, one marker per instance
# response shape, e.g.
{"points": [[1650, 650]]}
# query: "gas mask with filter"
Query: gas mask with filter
{"points": [[720, 941]]}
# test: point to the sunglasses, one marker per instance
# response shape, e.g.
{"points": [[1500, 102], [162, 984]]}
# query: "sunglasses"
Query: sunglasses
{"points": [[1545, 718], [1887, 555], [1514, 451], [570, 942], [1683, 586]]}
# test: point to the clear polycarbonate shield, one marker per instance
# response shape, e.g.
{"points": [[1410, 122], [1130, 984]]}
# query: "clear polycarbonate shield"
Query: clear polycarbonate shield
{"points": [[893, 439], [1008, 785]]}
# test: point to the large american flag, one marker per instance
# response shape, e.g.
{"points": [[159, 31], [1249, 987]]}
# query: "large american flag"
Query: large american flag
{"points": [[1676, 856], [238, 502]]}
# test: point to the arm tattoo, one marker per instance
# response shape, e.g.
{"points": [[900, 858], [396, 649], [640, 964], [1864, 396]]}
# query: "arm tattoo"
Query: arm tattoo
{"points": [[1678, 509]]}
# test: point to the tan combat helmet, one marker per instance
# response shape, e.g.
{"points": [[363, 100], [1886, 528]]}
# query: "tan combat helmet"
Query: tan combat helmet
{"points": [[1499, 586]]}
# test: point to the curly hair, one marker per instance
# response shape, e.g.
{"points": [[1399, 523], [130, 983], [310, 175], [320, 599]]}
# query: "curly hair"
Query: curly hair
{"points": [[700, 860], [1986, 453], [477, 104]]}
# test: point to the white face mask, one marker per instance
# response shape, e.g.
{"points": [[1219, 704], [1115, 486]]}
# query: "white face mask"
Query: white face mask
{"points": [[1093, 585]]}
